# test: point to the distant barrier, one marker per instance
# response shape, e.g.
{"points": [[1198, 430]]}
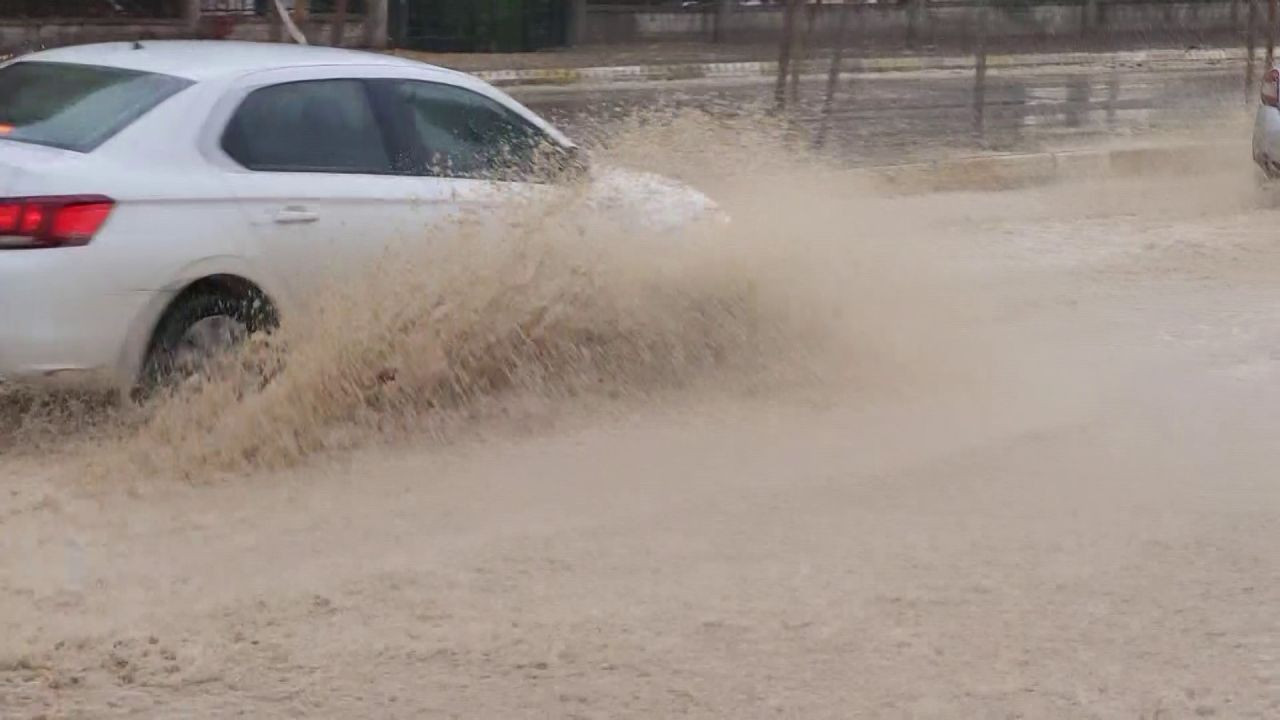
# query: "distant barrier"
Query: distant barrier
{"points": [[921, 23], [27, 25]]}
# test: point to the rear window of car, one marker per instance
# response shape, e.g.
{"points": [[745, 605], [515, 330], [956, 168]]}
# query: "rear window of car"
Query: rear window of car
{"points": [[325, 126], [76, 107]]}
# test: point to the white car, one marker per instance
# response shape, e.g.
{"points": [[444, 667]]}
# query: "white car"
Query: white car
{"points": [[1266, 127], [160, 197]]}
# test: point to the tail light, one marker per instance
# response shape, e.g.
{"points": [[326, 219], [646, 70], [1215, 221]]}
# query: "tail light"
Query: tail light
{"points": [[53, 221], [1271, 88]]}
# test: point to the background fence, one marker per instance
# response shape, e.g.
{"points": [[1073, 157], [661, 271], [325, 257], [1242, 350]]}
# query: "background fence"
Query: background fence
{"points": [[512, 25], [261, 8], [913, 23], [151, 9], [90, 8], [1043, 76]]}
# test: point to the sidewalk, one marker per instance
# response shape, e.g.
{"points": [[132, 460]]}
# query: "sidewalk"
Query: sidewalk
{"points": [[1005, 171], [670, 61], [669, 53]]}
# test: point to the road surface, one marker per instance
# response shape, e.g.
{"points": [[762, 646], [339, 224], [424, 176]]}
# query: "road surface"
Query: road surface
{"points": [[980, 455]]}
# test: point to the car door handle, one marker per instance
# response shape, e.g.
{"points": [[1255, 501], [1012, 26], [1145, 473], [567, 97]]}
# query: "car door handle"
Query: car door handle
{"points": [[295, 215]]}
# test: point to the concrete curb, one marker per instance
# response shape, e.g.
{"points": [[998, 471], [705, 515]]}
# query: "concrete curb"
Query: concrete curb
{"points": [[690, 71], [1002, 172]]}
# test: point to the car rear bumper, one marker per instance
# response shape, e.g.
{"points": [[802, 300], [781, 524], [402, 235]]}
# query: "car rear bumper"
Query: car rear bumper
{"points": [[1266, 140], [59, 324]]}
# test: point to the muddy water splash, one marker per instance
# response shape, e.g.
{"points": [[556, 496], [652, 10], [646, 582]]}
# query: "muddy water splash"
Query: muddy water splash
{"points": [[553, 305]]}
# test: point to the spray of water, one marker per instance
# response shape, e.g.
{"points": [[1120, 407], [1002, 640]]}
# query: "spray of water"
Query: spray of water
{"points": [[554, 305]]}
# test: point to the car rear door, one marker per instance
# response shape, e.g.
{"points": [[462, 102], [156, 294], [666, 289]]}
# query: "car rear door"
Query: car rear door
{"points": [[320, 178]]}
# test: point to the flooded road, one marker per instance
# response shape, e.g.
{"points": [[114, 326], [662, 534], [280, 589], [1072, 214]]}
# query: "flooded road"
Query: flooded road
{"points": [[929, 455]]}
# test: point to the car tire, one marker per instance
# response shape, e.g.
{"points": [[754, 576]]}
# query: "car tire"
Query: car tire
{"points": [[1265, 189], [194, 331]]}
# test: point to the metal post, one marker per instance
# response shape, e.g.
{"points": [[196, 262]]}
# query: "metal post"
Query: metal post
{"points": [[980, 74], [913, 19], [833, 76], [1113, 96], [784, 52], [577, 22], [802, 48], [1088, 17], [719, 30]]}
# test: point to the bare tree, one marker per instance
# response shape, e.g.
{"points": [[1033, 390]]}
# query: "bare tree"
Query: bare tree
{"points": [[375, 23], [339, 23], [301, 13], [1250, 44], [280, 17], [1271, 34], [189, 11], [275, 13]]}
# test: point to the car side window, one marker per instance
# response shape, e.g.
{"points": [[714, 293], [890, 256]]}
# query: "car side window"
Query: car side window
{"points": [[308, 126], [467, 135]]}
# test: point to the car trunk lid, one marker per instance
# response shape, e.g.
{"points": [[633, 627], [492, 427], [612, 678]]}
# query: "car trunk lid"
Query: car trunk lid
{"points": [[23, 163]]}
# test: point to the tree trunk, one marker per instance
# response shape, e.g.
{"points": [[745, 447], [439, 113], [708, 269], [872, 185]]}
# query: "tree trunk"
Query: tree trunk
{"points": [[190, 11], [1250, 44], [1271, 34], [301, 14], [339, 23], [274, 19], [375, 23], [289, 25]]}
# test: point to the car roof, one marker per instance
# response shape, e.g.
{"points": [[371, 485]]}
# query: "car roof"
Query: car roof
{"points": [[209, 59]]}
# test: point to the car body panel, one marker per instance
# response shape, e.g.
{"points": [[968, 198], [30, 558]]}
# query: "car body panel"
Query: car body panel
{"points": [[1266, 140], [199, 60], [186, 210]]}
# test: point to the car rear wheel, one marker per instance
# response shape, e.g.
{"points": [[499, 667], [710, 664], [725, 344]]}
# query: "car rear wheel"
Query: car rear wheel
{"points": [[195, 332], [1266, 188]]}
